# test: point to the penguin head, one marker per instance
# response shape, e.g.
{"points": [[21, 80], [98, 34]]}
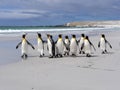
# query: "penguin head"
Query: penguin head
{"points": [[48, 35], [60, 35], [39, 35], [73, 36], [66, 37], [23, 36], [87, 37], [103, 35], [82, 35]]}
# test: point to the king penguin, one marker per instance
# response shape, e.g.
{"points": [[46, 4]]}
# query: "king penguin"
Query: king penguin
{"points": [[73, 45], [80, 42], [24, 46], [40, 43], [87, 46], [50, 46], [103, 44], [60, 45], [67, 45]]}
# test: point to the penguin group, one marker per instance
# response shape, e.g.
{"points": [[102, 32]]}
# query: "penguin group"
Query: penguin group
{"points": [[63, 47]]}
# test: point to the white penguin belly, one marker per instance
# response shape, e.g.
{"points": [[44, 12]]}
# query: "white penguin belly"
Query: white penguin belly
{"points": [[87, 47], [60, 46], [102, 44], [73, 46], [67, 45], [49, 47], [81, 42], [24, 48], [40, 47]]}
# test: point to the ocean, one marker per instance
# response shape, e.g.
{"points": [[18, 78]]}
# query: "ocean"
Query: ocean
{"points": [[18, 30]]}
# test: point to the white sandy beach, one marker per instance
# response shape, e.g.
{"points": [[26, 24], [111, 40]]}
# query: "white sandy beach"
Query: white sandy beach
{"points": [[100, 72]]}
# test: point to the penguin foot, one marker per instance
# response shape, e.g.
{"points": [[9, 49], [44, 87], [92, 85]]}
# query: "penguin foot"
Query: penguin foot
{"points": [[68, 54], [56, 55], [103, 52], [51, 57], [83, 52], [88, 55], [64, 54], [80, 52], [61, 55], [73, 55], [24, 56], [41, 56]]}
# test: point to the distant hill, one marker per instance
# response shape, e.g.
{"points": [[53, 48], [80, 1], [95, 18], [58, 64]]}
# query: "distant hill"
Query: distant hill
{"points": [[114, 23]]}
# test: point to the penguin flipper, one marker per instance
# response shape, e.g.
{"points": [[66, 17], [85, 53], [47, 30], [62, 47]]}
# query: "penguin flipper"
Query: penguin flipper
{"points": [[99, 44], [82, 46], [108, 44], [47, 48], [92, 45], [56, 41], [18, 45], [30, 45], [78, 41], [64, 43]]}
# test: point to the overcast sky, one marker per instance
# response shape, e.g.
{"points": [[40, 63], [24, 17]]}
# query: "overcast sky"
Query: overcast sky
{"points": [[54, 12]]}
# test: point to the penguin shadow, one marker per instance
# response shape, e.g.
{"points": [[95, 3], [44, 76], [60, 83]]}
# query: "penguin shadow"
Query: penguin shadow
{"points": [[28, 57], [102, 69], [85, 56], [73, 56], [87, 66], [108, 53], [66, 56], [31, 56], [90, 67], [35, 56], [94, 56]]}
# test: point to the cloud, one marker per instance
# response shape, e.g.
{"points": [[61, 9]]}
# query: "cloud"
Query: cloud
{"points": [[61, 5], [59, 10], [20, 14]]}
